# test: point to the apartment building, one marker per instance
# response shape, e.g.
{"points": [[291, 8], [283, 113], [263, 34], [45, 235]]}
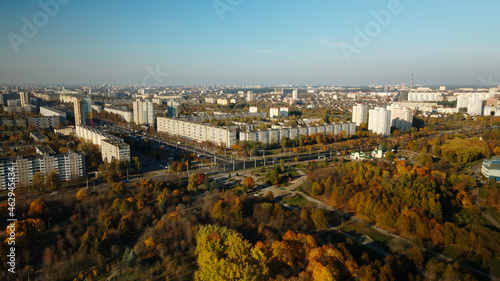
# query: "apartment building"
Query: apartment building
{"points": [[68, 165], [275, 135], [124, 114], [111, 147], [195, 131]]}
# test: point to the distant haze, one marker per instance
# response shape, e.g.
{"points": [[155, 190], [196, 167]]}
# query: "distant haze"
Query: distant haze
{"points": [[251, 42]]}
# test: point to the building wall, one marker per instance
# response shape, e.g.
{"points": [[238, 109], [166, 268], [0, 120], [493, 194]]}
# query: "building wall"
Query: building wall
{"points": [[68, 165], [379, 121], [111, 146], [195, 131], [360, 114], [124, 114]]}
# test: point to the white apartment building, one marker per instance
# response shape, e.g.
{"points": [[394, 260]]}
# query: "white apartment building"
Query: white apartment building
{"points": [[111, 147], [284, 112], [295, 94], [126, 115], [360, 114], [195, 131], [274, 112], [68, 165], [250, 96], [379, 121], [222, 101], [401, 118], [253, 109], [425, 96], [475, 106], [143, 112], [275, 135]]}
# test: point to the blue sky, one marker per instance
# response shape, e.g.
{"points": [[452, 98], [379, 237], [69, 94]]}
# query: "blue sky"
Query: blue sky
{"points": [[254, 42]]}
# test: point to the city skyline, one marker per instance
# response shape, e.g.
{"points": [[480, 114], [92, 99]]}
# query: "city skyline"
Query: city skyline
{"points": [[250, 43]]}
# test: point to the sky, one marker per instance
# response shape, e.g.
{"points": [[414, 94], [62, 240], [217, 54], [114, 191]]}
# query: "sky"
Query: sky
{"points": [[243, 42]]}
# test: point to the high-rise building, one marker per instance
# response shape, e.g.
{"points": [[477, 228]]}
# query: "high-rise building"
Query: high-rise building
{"points": [[24, 98], [360, 114], [250, 96], [143, 112], [172, 108], [379, 121], [83, 111], [295, 94], [475, 106], [401, 118]]}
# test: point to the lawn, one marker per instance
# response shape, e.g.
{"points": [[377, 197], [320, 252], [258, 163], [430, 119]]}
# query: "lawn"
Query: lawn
{"points": [[451, 252], [494, 267], [298, 201], [483, 192]]}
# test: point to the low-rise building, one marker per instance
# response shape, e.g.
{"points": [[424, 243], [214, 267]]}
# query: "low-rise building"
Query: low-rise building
{"points": [[38, 136], [491, 168]]}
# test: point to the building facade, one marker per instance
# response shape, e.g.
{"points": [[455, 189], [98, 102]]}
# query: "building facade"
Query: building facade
{"points": [[68, 165], [143, 112], [111, 147], [379, 121], [124, 114], [195, 131], [360, 114]]}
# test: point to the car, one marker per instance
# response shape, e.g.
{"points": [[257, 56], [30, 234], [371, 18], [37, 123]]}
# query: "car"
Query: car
{"points": [[54, 193], [322, 157]]}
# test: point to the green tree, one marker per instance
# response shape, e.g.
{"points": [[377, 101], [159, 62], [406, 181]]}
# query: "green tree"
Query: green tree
{"points": [[223, 254], [192, 182], [319, 219], [136, 164], [37, 182], [52, 180]]}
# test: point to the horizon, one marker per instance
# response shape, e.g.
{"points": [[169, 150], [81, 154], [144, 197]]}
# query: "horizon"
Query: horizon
{"points": [[240, 43]]}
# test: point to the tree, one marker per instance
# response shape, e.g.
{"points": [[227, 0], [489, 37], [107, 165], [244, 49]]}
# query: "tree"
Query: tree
{"points": [[136, 164], [82, 194], [273, 177], [201, 178], [319, 219], [218, 211], [52, 180], [223, 254], [192, 183], [249, 183], [37, 182]]}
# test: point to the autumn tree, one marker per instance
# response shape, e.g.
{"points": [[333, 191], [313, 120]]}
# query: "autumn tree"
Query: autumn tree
{"points": [[249, 183], [223, 254], [201, 178], [82, 194], [53, 181], [319, 219], [192, 182], [38, 182]]}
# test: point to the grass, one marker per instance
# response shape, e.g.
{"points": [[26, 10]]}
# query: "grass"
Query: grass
{"points": [[466, 217], [483, 192], [494, 267], [495, 215], [451, 252], [298, 201]]}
